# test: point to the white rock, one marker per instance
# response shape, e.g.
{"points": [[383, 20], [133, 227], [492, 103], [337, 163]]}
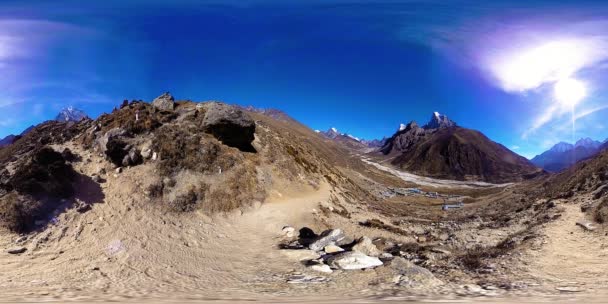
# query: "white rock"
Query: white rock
{"points": [[353, 260], [322, 268], [288, 231], [332, 249]]}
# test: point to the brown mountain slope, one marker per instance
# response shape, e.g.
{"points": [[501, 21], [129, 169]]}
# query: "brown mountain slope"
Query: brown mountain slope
{"points": [[463, 154]]}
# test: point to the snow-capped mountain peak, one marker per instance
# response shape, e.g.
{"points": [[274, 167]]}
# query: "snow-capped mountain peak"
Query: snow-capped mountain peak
{"points": [[439, 121], [402, 127], [71, 114], [352, 137], [562, 147], [587, 143]]}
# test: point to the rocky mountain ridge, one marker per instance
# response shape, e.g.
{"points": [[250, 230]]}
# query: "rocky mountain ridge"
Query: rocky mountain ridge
{"points": [[563, 155], [442, 149]]}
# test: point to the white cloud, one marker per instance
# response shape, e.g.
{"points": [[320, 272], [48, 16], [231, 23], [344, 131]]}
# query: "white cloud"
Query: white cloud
{"points": [[515, 147]]}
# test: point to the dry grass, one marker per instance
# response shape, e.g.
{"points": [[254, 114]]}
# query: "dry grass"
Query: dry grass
{"points": [[478, 257], [35, 190]]}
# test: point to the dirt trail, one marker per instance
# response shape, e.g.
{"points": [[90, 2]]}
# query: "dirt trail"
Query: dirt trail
{"points": [[571, 256]]}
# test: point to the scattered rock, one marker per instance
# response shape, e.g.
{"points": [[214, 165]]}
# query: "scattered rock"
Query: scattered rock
{"points": [[569, 289], [321, 268], [154, 156], [413, 275], [96, 178], [229, 125], [17, 250], [146, 153], [332, 249], [118, 170], [83, 208], [132, 158], [164, 102], [586, 225], [365, 246], [305, 279], [326, 238], [353, 260], [346, 241], [288, 231], [385, 256]]}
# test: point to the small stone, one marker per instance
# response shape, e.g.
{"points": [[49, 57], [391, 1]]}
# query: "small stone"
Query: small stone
{"points": [[96, 178], [83, 208], [321, 268], [305, 279], [586, 225], [118, 170], [332, 249], [288, 231], [154, 156], [569, 289], [365, 246], [17, 250]]}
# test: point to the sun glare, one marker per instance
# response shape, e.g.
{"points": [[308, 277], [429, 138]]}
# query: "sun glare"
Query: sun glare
{"points": [[569, 92], [529, 68]]}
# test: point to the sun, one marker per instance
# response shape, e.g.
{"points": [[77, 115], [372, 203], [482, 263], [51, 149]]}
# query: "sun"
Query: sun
{"points": [[569, 91]]}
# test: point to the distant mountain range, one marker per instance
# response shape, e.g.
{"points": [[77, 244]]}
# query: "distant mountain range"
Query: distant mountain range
{"points": [[352, 141], [564, 155], [67, 114]]}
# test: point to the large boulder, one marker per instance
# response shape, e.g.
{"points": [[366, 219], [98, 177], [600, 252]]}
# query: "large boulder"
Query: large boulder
{"points": [[411, 275], [164, 102], [230, 125], [352, 260], [328, 237]]}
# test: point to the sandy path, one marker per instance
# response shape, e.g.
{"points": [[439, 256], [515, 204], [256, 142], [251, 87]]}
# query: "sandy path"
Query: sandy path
{"points": [[123, 249], [571, 256]]}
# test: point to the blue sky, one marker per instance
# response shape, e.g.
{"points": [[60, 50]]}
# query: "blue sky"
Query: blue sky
{"points": [[360, 66]]}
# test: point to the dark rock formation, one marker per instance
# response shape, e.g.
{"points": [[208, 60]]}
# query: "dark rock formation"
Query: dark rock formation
{"points": [[230, 125]]}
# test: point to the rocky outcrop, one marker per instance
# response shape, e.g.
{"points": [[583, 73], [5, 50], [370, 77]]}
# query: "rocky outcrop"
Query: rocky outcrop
{"points": [[114, 146], [164, 102], [230, 125]]}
